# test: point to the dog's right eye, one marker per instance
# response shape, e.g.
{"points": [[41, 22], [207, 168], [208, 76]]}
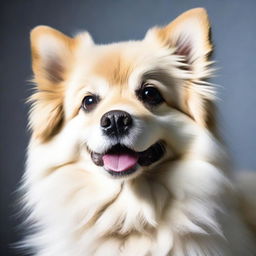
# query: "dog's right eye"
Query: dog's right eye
{"points": [[89, 102]]}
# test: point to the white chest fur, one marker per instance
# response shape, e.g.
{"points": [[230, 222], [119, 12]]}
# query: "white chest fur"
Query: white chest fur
{"points": [[180, 212]]}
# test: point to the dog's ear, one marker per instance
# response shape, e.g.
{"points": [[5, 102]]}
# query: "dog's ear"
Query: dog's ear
{"points": [[189, 37], [51, 61], [51, 55]]}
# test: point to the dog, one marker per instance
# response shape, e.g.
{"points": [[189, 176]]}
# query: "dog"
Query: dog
{"points": [[125, 156]]}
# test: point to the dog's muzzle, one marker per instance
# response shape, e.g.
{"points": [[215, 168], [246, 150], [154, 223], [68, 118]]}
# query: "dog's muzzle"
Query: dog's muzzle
{"points": [[120, 160]]}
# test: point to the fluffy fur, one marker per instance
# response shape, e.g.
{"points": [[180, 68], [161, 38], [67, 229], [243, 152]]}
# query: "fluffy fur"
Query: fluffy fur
{"points": [[183, 205]]}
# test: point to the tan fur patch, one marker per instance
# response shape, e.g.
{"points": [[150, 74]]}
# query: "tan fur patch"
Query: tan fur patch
{"points": [[114, 67]]}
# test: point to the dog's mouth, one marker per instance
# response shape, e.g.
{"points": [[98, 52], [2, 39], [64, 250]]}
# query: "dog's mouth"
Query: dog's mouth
{"points": [[120, 160]]}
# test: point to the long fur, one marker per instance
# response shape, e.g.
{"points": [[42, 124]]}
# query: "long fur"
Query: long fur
{"points": [[184, 205]]}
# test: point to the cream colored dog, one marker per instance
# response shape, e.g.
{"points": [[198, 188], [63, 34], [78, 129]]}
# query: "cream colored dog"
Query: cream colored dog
{"points": [[125, 157]]}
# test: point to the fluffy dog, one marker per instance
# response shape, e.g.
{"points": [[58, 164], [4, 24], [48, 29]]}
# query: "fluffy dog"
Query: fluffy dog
{"points": [[125, 157]]}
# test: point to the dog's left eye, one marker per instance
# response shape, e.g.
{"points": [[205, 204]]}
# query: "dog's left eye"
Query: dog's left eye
{"points": [[89, 102], [150, 95]]}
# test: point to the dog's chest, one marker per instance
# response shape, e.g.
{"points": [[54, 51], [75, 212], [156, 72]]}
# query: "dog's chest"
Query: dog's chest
{"points": [[137, 216]]}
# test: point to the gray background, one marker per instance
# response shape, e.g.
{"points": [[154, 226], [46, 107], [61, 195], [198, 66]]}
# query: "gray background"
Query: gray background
{"points": [[234, 34]]}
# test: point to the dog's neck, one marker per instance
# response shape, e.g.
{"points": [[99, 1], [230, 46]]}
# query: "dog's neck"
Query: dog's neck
{"points": [[138, 207]]}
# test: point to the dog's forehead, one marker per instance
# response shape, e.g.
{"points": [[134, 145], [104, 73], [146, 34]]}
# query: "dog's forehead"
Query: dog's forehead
{"points": [[116, 62], [113, 66]]}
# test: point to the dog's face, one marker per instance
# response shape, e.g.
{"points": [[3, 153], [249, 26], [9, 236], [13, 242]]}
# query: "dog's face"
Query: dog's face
{"points": [[128, 106]]}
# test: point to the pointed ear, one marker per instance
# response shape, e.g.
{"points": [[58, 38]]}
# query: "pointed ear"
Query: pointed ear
{"points": [[189, 37], [51, 53], [51, 60]]}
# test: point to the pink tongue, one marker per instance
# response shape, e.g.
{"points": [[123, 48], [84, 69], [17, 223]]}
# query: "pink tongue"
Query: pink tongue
{"points": [[119, 163]]}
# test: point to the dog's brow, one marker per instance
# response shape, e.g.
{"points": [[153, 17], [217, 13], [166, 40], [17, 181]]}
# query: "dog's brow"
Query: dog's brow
{"points": [[160, 75]]}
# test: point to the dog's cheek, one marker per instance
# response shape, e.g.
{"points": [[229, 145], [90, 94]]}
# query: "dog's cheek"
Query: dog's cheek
{"points": [[176, 129], [62, 149], [145, 133]]}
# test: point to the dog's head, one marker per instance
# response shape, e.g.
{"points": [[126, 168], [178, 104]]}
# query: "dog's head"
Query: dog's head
{"points": [[127, 106]]}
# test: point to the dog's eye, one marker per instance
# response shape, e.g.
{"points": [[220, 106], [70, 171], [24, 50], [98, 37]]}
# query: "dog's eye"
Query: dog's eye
{"points": [[150, 95], [89, 102]]}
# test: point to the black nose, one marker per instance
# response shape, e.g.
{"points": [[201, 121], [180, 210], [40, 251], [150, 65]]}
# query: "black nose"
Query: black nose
{"points": [[116, 123]]}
